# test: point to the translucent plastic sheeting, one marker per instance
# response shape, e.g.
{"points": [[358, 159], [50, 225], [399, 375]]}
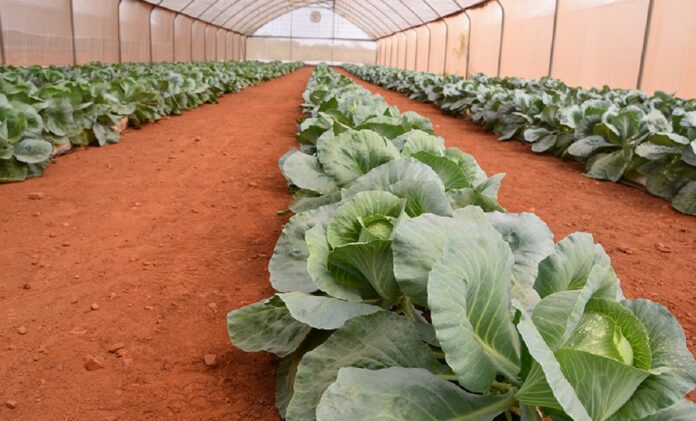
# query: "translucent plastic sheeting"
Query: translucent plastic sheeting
{"points": [[486, 24], [423, 47], [229, 46], [220, 44], [411, 48], [182, 38], [311, 22], [600, 42], [378, 18], [457, 44], [210, 41], [96, 31], [394, 55], [162, 34], [527, 38], [401, 50], [670, 59], [36, 32], [438, 41], [198, 40], [360, 52], [236, 49], [135, 31], [243, 48], [268, 49]]}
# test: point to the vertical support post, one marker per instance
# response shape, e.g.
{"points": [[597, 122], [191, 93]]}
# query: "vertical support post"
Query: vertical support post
{"points": [[444, 67], [502, 35], [72, 32], [553, 37], [430, 46], [468, 46], [176, 15], [291, 28], [149, 30], [333, 37], [118, 30], [415, 62], [646, 38], [2, 43]]}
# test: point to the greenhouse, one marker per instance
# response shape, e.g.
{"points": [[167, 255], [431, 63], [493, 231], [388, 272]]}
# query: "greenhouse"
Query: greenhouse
{"points": [[344, 210]]}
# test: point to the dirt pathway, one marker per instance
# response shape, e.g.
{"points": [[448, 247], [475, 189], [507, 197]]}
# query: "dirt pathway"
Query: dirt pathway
{"points": [[653, 247], [146, 245]]}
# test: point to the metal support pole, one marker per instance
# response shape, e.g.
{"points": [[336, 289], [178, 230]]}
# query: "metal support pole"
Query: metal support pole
{"points": [[553, 37], [430, 43], [174, 36], [72, 31], [118, 30], [502, 35], [2, 43], [444, 68], [468, 45], [646, 38], [149, 30]]}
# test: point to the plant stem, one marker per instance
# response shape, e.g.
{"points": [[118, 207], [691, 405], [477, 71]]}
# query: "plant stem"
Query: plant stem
{"points": [[508, 416], [407, 308]]}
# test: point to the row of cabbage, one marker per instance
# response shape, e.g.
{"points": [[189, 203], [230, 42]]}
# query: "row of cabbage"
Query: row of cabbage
{"points": [[47, 110], [404, 291], [615, 133]]}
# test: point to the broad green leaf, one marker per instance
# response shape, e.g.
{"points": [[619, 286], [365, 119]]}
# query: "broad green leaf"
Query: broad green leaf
{"points": [[305, 172], [323, 312], [354, 153], [569, 266], [404, 393], [379, 340], [367, 267], [468, 164], [460, 198], [318, 266], [547, 377], [305, 200], [6, 149], [585, 147], [418, 244], [288, 265], [670, 358], [558, 314], [285, 377], [469, 301], [652, 151], [529, 238], [490, 186], [685, 200], [33, 151], [420, 141], [607, 166], [12, 170], [684, 410], [422, 197], [602, 384], [391, 173], [449, 171], [266, 326]]}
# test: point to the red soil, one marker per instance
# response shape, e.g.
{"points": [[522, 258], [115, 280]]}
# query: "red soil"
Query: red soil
{"points": [[652, 246], [165, 234]]}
